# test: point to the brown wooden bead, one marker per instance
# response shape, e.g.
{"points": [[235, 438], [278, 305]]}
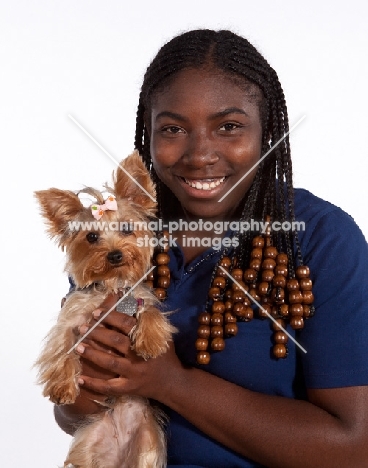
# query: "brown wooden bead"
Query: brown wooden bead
{"points": [[292, 284], [238, 308], [280, 337], [217, 331], [308, 297], [279, 323], [258, 241], [296, 310], [237, 274], [228, 305], [201, 344], [163, 282], [225, 262], [255, 264], [268, 264], [296, 323], [238, 296], [246, 314], [219, 281], [218, 344], [270, 252], [263, 288], [229, 317], [306, 284], [283, 310], [204, 318], [265, 311], [229, 294], [239, 285], [268, 230], [281, 270], [231, 329], [149, 284], [256, 253], [217, 319], [295, 297], [279, 280], [204, 331], [221, 272], [162, 259], [267, 275], [306, 311], [214, 293], [163, 270], [203, 357], [250, 275], [302, 272], [160, 293], [151, 276], [282, 259], [279, 351], [255, 295], [218, 307]]}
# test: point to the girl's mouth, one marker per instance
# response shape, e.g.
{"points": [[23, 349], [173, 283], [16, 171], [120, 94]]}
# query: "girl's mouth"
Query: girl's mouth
{"points": [[204, 184]]}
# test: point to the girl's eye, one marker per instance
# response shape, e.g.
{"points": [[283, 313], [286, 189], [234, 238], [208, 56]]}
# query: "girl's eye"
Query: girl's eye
{"points": [[228, 127], [172, 129], [92, 237]]}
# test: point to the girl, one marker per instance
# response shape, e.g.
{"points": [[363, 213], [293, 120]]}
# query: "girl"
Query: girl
{"points": [[288, 392]]}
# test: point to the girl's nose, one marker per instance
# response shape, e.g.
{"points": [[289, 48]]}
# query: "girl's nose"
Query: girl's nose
{"points": [[200, 151]]}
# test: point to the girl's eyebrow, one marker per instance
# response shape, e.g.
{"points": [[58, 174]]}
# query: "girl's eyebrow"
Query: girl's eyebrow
{"points": [[229, 110], [223, 113], [172, 115]]}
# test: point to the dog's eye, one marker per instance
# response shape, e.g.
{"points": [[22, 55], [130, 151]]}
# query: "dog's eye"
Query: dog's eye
{"points": [[92, 237]]}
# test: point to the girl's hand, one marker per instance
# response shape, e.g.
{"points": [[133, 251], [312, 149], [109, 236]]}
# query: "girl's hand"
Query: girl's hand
{"points": [[109, 348]]}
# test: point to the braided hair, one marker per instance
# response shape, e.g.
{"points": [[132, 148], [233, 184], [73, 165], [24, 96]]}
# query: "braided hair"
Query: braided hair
{"points": [[271, 192]]}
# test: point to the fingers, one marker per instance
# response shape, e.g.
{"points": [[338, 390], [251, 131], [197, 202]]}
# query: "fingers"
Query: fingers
{"points": [[122, 322], [111, 387], [109, 338]]}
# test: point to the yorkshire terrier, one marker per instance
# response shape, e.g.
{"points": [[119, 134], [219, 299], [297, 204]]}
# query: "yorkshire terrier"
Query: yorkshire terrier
{"points": [[129, 433]]}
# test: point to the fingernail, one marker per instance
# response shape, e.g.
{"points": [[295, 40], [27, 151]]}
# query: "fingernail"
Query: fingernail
{"points": [[80, 381], [96, 313], [80, 349], [83, 329]]}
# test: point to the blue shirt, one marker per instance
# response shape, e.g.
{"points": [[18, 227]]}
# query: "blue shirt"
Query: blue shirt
{"points": [[336, 338]]}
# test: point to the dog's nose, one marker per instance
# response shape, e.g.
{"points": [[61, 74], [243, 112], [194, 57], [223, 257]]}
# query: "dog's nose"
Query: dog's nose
{"points": [[115, 257]]}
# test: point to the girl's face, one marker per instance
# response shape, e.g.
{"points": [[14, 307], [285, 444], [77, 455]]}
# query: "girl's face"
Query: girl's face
{"points": [[205, 135]]}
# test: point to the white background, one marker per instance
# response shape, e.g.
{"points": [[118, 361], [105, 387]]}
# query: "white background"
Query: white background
{"points": [[87, 58]]}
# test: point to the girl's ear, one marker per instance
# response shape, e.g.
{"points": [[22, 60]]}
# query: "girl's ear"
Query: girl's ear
{"points": [[132, 180]]}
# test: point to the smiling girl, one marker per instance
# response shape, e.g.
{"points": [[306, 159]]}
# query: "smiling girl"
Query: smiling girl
{"points": [[287, 394]]}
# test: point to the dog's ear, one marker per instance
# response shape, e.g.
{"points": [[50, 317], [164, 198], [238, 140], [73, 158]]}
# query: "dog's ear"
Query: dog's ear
{"points": [[132, 180], [58, 207]]}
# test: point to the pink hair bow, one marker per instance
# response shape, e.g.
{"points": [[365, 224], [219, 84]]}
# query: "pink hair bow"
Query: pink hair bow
{"points": [[98, 210]]}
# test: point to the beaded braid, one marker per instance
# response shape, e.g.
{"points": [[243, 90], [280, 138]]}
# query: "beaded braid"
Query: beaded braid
{"points": [[270, 196]]}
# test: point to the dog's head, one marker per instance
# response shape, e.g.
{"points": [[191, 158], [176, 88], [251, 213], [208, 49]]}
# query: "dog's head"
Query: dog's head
{"points": [[110, 240]]}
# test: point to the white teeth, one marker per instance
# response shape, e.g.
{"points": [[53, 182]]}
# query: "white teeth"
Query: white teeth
{"points": [[204, 185]]}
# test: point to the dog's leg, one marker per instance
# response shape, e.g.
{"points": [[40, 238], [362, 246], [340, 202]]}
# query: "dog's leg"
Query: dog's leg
{"points": [[151, 335], [126, 436], [58, 370]]}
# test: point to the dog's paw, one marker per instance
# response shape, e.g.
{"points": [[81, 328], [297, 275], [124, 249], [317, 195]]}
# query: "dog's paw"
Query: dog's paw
{"points": [[152, 334], [62, 394]]}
